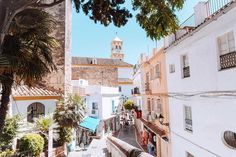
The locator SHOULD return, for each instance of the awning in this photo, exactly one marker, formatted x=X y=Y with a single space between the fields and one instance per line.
x=90 y=123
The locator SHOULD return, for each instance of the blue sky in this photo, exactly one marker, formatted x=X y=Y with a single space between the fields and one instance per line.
x=94 y=40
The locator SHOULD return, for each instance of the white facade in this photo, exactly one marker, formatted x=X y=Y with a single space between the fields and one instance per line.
x=19 y=107
x=106 y=100
x=79 y=86
x=125 y=72
x=125 y=78
x=211 y=115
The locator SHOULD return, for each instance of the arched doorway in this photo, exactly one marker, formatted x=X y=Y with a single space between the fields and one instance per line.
x=35 y=110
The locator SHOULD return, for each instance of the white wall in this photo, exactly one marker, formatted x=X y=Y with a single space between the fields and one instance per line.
x=20 y=107
x=103 y=96
x=125 y=72
x=90 y=100
x=126 y=90
x=107 y=105
x=211 y=116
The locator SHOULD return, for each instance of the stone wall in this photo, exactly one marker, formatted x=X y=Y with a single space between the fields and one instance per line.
x=95 y=75
x=60 y=79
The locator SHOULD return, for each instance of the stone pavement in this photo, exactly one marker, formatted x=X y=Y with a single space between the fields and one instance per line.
x=127 y=134
x=97 y=148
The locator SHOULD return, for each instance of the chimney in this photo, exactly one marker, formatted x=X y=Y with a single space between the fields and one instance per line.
x=200 y=13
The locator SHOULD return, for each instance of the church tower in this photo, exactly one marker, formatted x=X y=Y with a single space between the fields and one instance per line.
x=117 y=49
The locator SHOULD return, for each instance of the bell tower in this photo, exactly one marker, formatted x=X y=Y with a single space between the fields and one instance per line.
x=117 y=49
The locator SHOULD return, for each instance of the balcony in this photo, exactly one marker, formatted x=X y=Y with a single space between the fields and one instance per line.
x=228 y=60
x=188 y=124
x=147 y=88
x=186 y=72
x=135 y=91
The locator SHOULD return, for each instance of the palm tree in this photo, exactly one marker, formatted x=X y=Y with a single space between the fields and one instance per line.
x=43 y=124
x=27 y=53
x=68 y=115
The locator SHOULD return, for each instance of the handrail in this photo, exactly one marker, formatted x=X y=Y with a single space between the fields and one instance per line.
x=125 y=148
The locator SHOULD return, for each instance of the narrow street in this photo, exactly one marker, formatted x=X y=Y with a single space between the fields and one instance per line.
x=99 y=148
x=127 y=134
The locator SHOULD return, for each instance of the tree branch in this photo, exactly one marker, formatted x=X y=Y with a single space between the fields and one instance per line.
x=48 y=5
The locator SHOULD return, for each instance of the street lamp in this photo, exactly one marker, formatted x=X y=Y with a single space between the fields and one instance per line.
x=161 y=120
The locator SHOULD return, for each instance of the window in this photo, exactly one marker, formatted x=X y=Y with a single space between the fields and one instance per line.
x=159 y=108
x=94 y=61
x=94 y=106
x=188 y=118
x=152 y=73
x=171 y=68
x=149 y=105
x=189 y=154
x=35 y=110
x=226 y=43
x=113 y=106
x=147 y=82
x=120 y=89
x=158 y=70
x=230 y=139
x=185 y=66
x=226 y=46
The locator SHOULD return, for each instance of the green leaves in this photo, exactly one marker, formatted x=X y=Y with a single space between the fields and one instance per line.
x=9 y=131
x=104 y=11
x=29 y=45
x=31 y=144
x=128 y=105
x=68 y=115
x=157 y=18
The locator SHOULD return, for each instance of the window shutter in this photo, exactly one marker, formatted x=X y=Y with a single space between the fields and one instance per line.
x=231 y=41
x=223 y=44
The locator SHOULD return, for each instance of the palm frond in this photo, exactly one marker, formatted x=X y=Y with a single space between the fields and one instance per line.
x=29 y=46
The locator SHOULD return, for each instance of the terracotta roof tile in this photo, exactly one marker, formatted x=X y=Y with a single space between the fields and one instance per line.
x=125 y=80
x=100 y=61
x=33 y=91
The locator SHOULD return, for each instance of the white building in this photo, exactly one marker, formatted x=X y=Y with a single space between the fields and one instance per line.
x=102 y=103
x=138 y=90
x=78 y=86
x=32 y=102
x=201 y=82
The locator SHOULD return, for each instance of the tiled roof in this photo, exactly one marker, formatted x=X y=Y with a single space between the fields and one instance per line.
x=100 y=61
x=33 y=91
x=125 y=80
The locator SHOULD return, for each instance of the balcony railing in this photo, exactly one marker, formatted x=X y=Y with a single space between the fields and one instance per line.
x=228 y=60
x=188 y=124
x=147 y=87
x=215 y=5
x=186 y=71
x=119 y=148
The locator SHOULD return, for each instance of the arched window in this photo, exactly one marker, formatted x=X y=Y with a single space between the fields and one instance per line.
x=35 y=110
x=230 y=139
